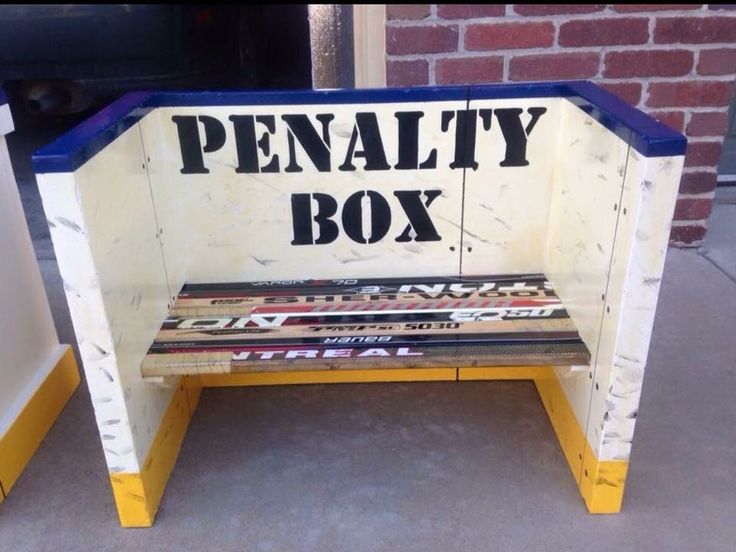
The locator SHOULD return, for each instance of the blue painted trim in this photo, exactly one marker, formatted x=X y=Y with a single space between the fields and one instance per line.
x=648 y=136
x=645 y=134
x=311 y=97
x=74 y=148
x=79 y=145
x=525 y=90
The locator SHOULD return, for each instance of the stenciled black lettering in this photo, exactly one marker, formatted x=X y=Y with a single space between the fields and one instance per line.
x=317 y=148
x=516 y=134
x=192 y=152
x=353 y=214
x=302 y=218
x=409 y=143
x=366 y=128
x=416 y=211
x=247 y=143
x=465 y=126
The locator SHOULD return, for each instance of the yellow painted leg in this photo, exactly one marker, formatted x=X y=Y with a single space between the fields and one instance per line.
x=193 y=390
x=601 y=484
x=502 y=372
x=24 y=436
x=138 y=495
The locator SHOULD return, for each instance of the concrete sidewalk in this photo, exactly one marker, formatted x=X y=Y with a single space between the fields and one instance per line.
x=429 y=466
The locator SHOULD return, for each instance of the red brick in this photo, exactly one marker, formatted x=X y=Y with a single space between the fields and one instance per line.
x=555 y=9
x=648 y=63
x=470 y=11
x=700 y=182
x=673 y=119
x=407 y=11
x=628 y=8
x=689 y=94
x=629 y=92
x=421 y=40
x=688 y=235
x=720 y=61
x=692 y=209
x=604 y=32
x=711 y=123
x=554 y=66
x=502 y=36
x=469 y=70
x=694 y=30
x=407 y=73
x=703 y=154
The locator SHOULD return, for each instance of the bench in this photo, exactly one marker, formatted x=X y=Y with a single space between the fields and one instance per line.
x=456 y=233
x=352 y=323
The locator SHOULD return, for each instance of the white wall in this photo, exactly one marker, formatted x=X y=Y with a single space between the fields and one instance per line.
x=29 y=347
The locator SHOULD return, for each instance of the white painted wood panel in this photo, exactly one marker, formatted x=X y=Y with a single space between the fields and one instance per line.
x=28 y=340
x=584 y=209
x=224 y=226
x=649 y=196
x=507 y=208
x=104 y=233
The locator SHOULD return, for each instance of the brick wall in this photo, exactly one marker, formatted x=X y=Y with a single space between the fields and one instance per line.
x=675 y=61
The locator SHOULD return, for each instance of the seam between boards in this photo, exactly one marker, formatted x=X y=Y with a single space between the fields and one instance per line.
x=170 y=299
x=594 y=361
x=462 y=204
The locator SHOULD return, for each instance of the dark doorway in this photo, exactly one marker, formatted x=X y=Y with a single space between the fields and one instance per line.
x=67 y=59
x=275 y=39
x=105 y=51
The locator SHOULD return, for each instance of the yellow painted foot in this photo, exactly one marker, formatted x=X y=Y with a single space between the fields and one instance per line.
x=138 y=495
x=503 y=373
x=601 y=484
x=24 y=436
x=569 y=434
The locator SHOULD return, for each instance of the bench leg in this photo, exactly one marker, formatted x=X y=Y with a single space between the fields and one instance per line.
x=601 y=483
x=138 y=495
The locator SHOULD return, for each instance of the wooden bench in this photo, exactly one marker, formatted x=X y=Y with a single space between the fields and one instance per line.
x=459 y=233
x=354 y=323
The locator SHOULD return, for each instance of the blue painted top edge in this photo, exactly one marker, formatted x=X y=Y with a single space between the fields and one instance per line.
x=77 y=146
x=648 y=136
x=311 y=97
x=72 y=149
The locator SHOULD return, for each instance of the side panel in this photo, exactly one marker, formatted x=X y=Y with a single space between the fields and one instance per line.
x=648 y=201
x=507 y=207
x=584 y=211
x=27 y=335
x=104 y=232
